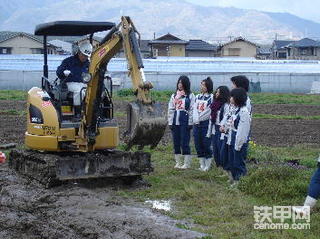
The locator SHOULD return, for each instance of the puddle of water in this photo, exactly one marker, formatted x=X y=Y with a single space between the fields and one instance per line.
x=160 y=204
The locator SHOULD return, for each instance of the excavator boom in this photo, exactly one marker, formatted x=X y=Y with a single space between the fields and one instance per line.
x=146 y=120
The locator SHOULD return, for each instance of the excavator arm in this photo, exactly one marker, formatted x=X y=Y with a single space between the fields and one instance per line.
x=145 y=118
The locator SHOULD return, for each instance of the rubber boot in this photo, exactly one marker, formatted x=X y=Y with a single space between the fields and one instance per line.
x=202 y=164
x=208 y=162
x=309 y=203
x=178 y=159
x=187 y=162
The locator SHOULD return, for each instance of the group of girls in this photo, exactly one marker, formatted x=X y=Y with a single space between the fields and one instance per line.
x=220 y=122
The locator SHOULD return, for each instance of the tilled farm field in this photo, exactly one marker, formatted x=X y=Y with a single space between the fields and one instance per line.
x=82 y=210
x=271 y=132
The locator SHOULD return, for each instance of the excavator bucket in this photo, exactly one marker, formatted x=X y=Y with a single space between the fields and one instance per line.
x=146 y=124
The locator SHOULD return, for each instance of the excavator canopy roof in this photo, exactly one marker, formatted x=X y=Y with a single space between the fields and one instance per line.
x=71 y=28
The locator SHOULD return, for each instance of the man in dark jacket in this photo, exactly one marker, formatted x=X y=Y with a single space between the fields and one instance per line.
x=71 y=70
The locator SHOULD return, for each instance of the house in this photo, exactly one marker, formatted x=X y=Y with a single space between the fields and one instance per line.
x=239 y=47
x=264 y=52
x=63 y=48
x=95 y=41
x=145 y=50
x=70 y=39
x=304 y=49
x=22 y=43
x=279 y=50
x=200 y=48
x=168 y=45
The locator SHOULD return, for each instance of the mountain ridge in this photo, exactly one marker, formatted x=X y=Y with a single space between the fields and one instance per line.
x=180 y=18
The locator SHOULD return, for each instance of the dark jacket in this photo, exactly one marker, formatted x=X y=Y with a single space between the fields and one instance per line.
x=76 y=67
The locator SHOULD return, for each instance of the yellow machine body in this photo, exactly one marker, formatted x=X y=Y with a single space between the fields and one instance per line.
x=44 y=130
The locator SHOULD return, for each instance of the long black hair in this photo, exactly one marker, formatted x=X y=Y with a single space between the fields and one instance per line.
x=209 y=84
x=224 y=94
x=241 y=81
x=185 y=83
x=239 y=96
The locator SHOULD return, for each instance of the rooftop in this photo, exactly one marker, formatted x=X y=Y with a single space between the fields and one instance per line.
x=168 y=39
x=200 y=45
x=281 y=44
x=305 y=42
x=6 y=35
x=238 y=39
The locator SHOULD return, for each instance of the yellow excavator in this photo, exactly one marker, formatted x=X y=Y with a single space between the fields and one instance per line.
x=60 y=148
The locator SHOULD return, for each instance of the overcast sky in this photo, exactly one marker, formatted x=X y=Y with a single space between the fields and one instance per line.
x=308 y=9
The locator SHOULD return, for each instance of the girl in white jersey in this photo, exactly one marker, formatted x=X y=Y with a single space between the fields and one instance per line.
x=219 y=109
x=238 y=134
x=242 y=81
x=201 y=119
x=180 y=122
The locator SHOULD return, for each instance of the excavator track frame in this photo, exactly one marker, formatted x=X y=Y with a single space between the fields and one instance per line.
x=51 y=169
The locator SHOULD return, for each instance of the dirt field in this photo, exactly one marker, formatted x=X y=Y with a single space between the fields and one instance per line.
x=81 y=211
x=287 y=109
x=271 y=132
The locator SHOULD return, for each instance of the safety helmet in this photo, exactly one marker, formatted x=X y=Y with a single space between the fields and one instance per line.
x=85 y=48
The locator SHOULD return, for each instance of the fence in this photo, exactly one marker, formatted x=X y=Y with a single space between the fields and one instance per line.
x=25 y=71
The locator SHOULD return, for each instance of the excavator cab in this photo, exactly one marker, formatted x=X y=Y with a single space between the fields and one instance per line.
x=61 y=97
x=60 y=149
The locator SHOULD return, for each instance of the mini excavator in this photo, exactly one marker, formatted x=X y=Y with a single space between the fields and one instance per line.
x=59 y=148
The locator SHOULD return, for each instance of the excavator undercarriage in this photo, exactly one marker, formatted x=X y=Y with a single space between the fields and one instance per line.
x=50 y=169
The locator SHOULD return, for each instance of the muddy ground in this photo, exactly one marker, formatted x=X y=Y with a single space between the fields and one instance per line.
x=78 y=210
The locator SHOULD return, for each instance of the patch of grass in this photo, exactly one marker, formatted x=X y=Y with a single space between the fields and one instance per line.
x=128 y=95
x=291 y=117
x=13 y=95
x=277 y=184
x=305 y=155
x=13 y=112
x=182 y=226
x=207 y=204
x=120 y=114
x=272 y=98
x=257 y=98
x=164 y=95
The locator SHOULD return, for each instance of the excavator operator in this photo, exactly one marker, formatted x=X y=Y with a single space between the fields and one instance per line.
x=71 y=70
